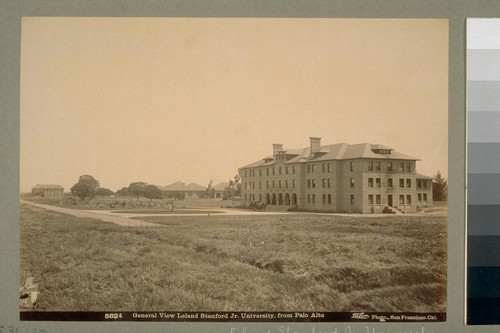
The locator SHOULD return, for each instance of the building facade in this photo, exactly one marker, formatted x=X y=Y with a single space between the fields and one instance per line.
x=48 y=191
x=363 y=178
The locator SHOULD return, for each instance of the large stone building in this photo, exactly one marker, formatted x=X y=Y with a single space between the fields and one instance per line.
x=47 y=191
x=362 y=178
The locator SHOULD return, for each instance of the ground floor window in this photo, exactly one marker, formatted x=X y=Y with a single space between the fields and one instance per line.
x=370 y=199
x=401 y=199
x=352 y=199
x=377 y=199
x=329 y=198
x=408 y=200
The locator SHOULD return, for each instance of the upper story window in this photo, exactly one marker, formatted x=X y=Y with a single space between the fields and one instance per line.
x=401 y=183
x=401 y=166
x=389 y=166
x=313 y=168
x=293 y=169
x=370 y=166
x=408 y=183
x=370 y=182
x=329 y=167
x=351 y=166
x=377 y=182
x=419 y=183
x=389 y=182
x=260 y=172
x=408 y=167
x=352 y=182
x=286 y=169
x=377 y=166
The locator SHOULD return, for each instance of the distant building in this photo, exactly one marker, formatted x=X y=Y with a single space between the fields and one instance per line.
x=360 y=178
x=48 y=191
x=219 y=190
x=181 y=190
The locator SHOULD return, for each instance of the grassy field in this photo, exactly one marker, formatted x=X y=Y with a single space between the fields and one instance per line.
x=276 y=263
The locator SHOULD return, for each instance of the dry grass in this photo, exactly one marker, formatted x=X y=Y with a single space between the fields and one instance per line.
x=275 y=263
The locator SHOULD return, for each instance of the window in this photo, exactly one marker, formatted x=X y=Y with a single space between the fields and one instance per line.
x=267 y=183
x=245 y=197
x=313 y=183
x=267 y=171
x=424 y=182
x=401 y=199
x=425 y=197
x=309 y=168
x=351 y=166
x=408 y=167
x=408 y=200
x=323 y=167
x=401 y=183
x=313 y=168
x=329 y=167
x=389 y=182
x=324 y=199
x=286 y=183
x=293 y=168
x=308 y=183
x=313 y=198
x=352 y=199
x=370 y=182
x=245 y=186
x=419 y=183
x=324 y=182
x=279 y=183
x=308 y=198
x=389 y=166
x=377 y=182
x=260 y=184
x=370 y=199
x=401 y=165
x=370 y=166
x=377 y=199
x=293 y=183
x=419 y=196
x=329 y=183
x=273 y=184
x=329 y=198
x=352 y=182
x=279 y=170
x=377 y=166
x=260 y=172
x=408 y=183
x=286 y=170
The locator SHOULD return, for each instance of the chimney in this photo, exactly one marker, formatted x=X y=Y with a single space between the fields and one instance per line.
x=276 y=148
x=315 y=145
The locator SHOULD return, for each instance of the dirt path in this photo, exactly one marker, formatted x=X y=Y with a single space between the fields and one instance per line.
x=117 y=219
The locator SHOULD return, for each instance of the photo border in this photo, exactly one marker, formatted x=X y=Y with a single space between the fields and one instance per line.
x=11 y=12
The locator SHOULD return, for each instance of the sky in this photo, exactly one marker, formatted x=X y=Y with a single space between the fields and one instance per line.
x=161 y=100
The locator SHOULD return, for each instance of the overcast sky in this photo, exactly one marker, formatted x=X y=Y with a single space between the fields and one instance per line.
x=167 y=99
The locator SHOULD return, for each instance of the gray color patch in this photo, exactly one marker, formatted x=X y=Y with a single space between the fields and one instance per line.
x=483 y=96
x=483 y=220
x=483 y=65
x=483 y=189
x=483 y=126
x=483 y=157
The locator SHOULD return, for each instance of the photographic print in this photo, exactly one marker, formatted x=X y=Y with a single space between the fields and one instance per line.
x=233 y=169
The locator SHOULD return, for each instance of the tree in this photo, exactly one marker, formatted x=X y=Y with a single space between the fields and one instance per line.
x=237 y=185
x=439 y=188
x=210 y=192
x=152 y=192
x=123 y=192
x=104 y=191
x=86 y=187
x=229 y=190
x=137 y=189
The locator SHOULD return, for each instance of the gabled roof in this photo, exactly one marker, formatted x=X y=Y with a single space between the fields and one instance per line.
x=47 y=187
x=181 y=186
x=339 y=151
x=421 y=176
x=220 y=186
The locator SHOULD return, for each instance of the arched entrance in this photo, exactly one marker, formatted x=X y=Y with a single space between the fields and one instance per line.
x=280 y=199
x=287 y=199
x=294 y=199
x=268 y=199
x=273 y=199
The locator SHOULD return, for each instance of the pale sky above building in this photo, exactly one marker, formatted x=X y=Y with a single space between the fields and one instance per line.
x=193 y=99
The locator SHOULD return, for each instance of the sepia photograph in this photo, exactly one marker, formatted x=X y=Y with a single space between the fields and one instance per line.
x=233 y=169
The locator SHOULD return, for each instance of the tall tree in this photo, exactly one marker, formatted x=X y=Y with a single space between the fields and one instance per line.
x=439 y=188
x=152 y=192
x=104 y=191
x=86 y=187
x=137 y=189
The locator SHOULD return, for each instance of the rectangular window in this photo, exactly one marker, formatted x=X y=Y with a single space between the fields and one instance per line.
x=401 y=199
x=370 y=182
x=286 y=183
x=279 y=183
x=308 y=183
x=286 y=170
x=313 y=198
x=351 y=166
x=329 y=198
x=308 y=168
x=425 y=197
x=419 y=196
x=408 y=183
x=401 y=183
x=419 y=183
x=260 y=172
x=408 y=167
x=389 y=182
x=323 y=167
x=377 y=166
x=267 y=183
x=370 y=166
x=245 y=186
x=389 y=166
x=401 y=165
x=313 y=168
x=245 y=173
x=273 y=184
x=329 y=167
x=308 y=198
x=377 y=182
x=313 y=183
x=293 y=168
x=352 y=199
x=324 y=199
x=352 y=182
x=323 y=182
x=329 y=183
x=377 y=199
x=408 y=200
x=424 y=182
x=245 y=197
x=370 y=199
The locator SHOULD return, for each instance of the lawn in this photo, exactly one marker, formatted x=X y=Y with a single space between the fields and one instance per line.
x=225 y=263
